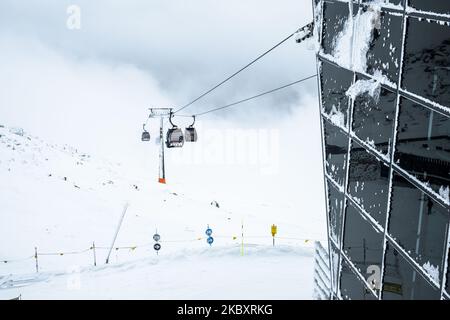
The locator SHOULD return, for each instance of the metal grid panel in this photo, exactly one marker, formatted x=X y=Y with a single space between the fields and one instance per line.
x=427 y=279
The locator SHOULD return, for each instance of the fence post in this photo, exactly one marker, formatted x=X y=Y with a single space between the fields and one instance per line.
x=95 y=257
x=36 y=258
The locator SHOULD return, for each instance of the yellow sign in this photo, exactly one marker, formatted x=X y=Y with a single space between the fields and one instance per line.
x=393 y=287
x=274 y=230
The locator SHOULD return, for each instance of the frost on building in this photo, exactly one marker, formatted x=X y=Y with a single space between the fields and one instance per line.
x=384 y=86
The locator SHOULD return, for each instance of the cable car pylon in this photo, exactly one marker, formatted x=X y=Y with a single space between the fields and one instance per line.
x=174 y=137
x=162 y=170
x=161 y=113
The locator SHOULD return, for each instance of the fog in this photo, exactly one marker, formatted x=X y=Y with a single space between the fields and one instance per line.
x=91 y=88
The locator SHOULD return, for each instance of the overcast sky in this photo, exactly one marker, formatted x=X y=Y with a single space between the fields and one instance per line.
x=185 y=46
x=91 y=87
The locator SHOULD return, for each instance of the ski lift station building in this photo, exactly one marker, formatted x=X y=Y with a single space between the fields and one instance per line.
x=384 y=85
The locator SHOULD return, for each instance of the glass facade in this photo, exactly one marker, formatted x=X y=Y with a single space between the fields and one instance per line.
x=386 y=146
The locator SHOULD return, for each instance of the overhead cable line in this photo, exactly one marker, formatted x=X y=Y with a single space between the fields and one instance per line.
x=250 y=98
x=240 y=70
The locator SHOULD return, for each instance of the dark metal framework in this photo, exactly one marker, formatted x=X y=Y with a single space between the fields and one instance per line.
x=387 y=157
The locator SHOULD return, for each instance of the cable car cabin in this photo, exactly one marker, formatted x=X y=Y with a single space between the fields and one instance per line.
x=174 y=138
x=190 y=134
x=145 y=136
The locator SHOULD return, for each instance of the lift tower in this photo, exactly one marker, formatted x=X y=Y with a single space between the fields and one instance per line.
x=161 y=113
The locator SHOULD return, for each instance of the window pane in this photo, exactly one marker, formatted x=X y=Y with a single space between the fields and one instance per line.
x=335 y=82
x=427 y=60
x=351 y=287
x=368 y=182
x=385 y=48
x=437 y=6
x=418 y=224
x=402 y=282
x=336 y=152
x=334 y=17
x=363 y=245
x=336 y=205
x=373 y=119
x=423 y=145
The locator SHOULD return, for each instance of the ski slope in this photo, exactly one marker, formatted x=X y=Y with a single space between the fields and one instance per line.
x=210 y=273
x=60 y=200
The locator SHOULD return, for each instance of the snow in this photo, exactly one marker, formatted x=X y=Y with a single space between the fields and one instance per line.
x=444 y=193
x=380 y=77
x=386 y=4
x=335 y=184
x=314 y=42
x=17 y=131
x=370 y=144
x=60 y=200
x=208 y=273
x=428 y=101
x=371 y=87
x=366 y=216
x=337 y=117
x=351 y=47
x=433 y=271
x=411 y=10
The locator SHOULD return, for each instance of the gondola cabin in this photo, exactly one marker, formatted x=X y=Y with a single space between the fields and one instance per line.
x=145 y=134
x=190 y=134
x=174 y=138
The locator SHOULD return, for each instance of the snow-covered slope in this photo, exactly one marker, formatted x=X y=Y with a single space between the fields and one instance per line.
x=60 y=200
x=208 y=273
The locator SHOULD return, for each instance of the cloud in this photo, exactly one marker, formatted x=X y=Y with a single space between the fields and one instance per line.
x=91 y=88
x=268 y=162
x=186 y=46
x=98 y=107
